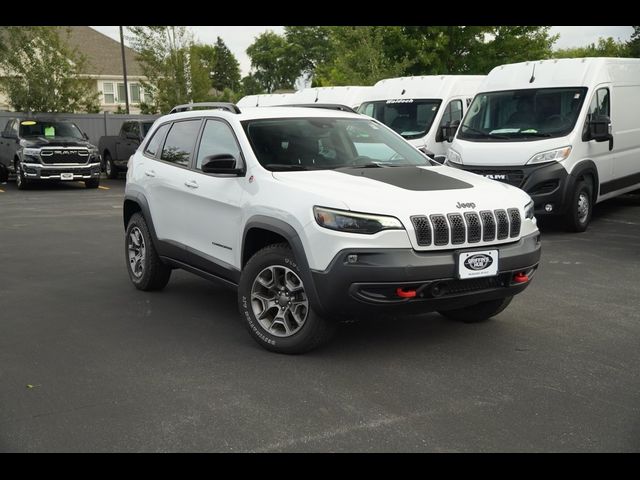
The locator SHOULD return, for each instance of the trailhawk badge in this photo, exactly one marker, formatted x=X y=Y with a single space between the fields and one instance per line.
x=478 y=264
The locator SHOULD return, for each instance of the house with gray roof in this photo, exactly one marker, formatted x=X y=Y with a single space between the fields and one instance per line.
x=104 y=67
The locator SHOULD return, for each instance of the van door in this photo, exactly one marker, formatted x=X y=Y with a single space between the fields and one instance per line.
x=451 y=115
x=599 y=151
x=625 y=123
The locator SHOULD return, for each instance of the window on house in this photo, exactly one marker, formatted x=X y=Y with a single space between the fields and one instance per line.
x=135 y=93
x=107 y=91
x=121 y=97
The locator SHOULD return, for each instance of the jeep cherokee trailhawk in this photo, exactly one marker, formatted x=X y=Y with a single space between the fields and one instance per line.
x=317 y=215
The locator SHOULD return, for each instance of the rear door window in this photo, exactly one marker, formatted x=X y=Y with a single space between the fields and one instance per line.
x=180 y=143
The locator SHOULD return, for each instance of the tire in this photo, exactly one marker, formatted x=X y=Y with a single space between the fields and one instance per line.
x=478 y=312
x=93 y=183
x=109 y=168
x=150 y=273
x=21 y=181
x=580 y=209
x=292 y=327
x=4 y=174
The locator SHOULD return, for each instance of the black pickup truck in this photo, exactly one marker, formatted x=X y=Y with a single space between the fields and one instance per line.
x=41 y=149
x=116 y=149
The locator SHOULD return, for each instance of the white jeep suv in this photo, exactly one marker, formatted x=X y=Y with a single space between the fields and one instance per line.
x=316 y=215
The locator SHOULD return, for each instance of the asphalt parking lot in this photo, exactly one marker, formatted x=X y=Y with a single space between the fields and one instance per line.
x=88 y=363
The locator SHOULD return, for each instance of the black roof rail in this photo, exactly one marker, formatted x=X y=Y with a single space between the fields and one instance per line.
x=228 y=106
x=328 y=106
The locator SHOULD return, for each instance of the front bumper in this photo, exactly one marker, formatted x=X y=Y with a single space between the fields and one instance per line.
x=36 y=171
x=546 y=184
x=370 y=284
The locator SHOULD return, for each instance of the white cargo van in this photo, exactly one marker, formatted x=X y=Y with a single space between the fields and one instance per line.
x=265 y=100
x=425 y=110
x=566 y=131
x=350 y=96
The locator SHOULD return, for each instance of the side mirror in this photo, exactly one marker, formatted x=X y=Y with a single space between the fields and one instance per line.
x=440 y=159
x=223 y=163
x=600 y=129
x=448 y=131
x=132 y=136
x=8 y=135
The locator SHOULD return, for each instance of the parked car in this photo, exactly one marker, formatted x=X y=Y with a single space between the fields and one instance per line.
x=41 y=149
x=315 y=215
x=566 y=131
x=117 y=149
x=419 y=107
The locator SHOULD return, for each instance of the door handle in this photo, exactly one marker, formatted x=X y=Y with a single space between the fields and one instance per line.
x=191 y=184
x=150 y=173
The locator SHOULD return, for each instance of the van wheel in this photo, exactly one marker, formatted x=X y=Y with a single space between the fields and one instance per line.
x=580 y=207
x=274 y=305
x=146 y=270
x=478 y=312
x=109 y=168
x=21 y=181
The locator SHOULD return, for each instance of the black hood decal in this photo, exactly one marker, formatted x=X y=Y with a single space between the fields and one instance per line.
x=409 y=178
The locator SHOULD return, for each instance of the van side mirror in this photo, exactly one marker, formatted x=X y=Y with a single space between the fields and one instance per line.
x=600 y=129
x=440 y=159
x=223 y=163
x=448 y=131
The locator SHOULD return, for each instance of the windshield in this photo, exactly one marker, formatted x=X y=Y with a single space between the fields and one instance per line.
x=411 y=118
x=516 y=115
x=328 y=143
x=33 y=128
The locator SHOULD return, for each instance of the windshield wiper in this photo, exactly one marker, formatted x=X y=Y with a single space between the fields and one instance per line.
x=486 y=134
x=535 y=134
x=281 y=167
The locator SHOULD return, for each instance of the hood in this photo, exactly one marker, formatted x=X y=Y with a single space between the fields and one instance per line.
x=35 y=142
x=505 y=153
x=404 y=191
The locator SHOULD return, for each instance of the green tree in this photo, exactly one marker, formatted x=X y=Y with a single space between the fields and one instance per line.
x=273 y=62
x=310 y=46
x=605 y=47
x=164 y=53
x=225 y=68
x=251 y=86
x=634 y=43
x=42 y=73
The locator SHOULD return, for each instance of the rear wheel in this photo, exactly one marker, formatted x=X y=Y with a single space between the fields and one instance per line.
x=146 y=270
x=109 y=168
x=274 y=304
x=580 y=207
x=478 y=312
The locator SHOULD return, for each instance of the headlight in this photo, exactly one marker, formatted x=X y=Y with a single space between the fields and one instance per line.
x=454 y=157
x=556 y=155
x=32 y=152
x=528 y=210
x=344 y=221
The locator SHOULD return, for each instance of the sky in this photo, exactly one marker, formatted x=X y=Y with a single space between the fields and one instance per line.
x=239 y=38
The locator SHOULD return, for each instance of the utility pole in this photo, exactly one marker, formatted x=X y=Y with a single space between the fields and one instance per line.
x=124 y=71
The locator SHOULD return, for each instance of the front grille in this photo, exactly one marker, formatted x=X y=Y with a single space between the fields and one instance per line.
x=512 y=177
x=423 y=230
x=474 y=230
x=51 y=156
x=440 y=230
x=458 y=233
x=471 y=227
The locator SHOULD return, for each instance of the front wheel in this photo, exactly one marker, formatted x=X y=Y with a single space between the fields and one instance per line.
x=478 y=312
x=145 y=268
x=274 y=305
x=580 y=207
x=21 y=181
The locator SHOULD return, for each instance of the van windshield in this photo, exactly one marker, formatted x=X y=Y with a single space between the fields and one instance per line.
x=517 y=115
x=327 y=143
x=409 y=117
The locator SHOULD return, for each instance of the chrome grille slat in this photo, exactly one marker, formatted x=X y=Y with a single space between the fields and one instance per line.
x=468 y=227
x=51 y=156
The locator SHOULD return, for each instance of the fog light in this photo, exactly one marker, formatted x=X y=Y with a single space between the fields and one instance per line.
x=548 y=207
x=352 y=258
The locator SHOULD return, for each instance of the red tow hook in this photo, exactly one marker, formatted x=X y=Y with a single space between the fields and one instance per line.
x=401 y=292
x=520 y=277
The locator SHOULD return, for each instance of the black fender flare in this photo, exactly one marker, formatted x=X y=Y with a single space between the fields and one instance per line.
x=286 y=231
x=584 y=167
x=139 y=199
